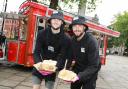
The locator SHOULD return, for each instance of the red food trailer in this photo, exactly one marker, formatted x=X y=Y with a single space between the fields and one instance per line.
x=21 y=37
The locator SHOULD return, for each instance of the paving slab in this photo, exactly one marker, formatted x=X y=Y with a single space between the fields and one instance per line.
x=9 y=70
x=2 y=79
x=5 y=75
x=16 y=78
x=9 y=83
x=23 y=74
x=29 y=84
x=22 y=87
x=2 y=87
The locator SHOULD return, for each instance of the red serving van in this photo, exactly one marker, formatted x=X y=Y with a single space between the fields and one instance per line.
x=22 y=31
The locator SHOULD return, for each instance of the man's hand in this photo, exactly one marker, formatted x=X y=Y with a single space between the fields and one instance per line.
x=45 y=73
x=75 y=79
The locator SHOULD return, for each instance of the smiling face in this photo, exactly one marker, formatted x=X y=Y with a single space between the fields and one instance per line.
x=78 y=30
x=56 y=23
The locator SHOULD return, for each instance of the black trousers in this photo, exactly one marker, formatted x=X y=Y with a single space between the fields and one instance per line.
x=89 y=84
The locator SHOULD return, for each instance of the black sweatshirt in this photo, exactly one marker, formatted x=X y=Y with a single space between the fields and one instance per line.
x=86 y=55
x=51 y=46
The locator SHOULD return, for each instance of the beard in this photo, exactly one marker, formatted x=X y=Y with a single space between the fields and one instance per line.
x=55 y=28
x=79 y=35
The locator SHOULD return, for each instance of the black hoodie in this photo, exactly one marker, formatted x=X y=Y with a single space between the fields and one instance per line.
x=86 y=55
x=51 y=46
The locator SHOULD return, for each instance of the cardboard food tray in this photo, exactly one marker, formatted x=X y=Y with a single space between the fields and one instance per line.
x=39 y=66
x=49 y=70
x=64 y=77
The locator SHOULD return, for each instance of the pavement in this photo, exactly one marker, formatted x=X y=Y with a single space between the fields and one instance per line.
x=113 y=75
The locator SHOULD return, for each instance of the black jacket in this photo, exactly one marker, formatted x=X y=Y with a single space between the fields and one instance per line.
x=51 y=46
x=86 y=54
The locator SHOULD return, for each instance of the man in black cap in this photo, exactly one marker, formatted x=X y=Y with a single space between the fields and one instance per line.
x=85 y=54
x=51 y=43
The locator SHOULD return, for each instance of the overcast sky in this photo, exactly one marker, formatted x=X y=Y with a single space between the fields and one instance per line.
x=105 y=10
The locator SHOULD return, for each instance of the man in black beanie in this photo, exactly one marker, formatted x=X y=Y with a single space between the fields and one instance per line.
x=85 y=54
x=51 y=43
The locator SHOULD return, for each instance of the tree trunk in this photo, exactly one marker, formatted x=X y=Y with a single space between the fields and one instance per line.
x=82 y=9
x=54 y=4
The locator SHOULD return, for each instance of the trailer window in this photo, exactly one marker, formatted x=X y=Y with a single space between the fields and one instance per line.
x=23 y=29
x=11 y=27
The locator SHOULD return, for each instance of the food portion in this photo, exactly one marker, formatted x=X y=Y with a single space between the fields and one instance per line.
x=66 y=75
x=46 y=65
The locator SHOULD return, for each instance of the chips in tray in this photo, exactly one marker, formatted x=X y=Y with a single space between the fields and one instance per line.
x=66 y=75
x=46 y=65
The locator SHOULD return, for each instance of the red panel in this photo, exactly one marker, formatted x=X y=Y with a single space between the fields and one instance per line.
x=31 y=30
x=105 y=45
x=21 y=54
x=25 y=4
x=12 y=51
x=50 y=11
x=39 y=12
x=68 y=18
x=37 y=7
x=30 y=60
x=29 y=42
x=103 y=29
x=102 y=60
x=1 y=53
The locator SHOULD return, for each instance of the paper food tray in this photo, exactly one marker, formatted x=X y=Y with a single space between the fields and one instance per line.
x=46 y=65
x=66 y=75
